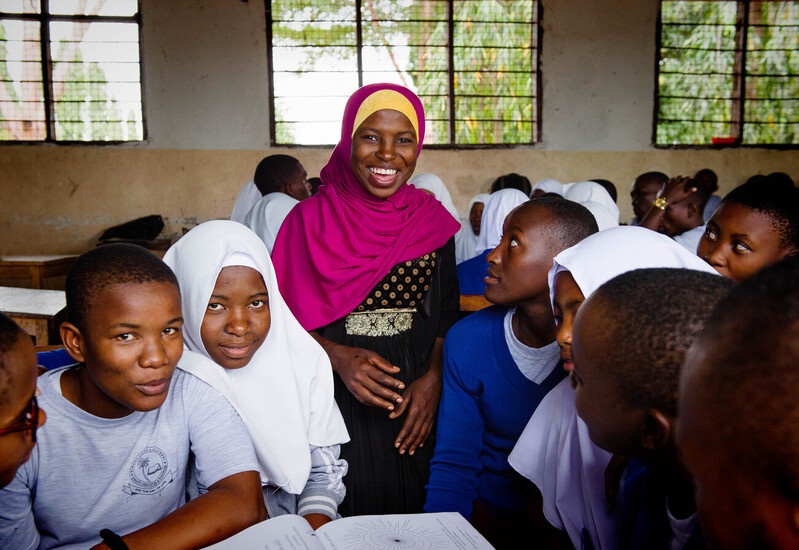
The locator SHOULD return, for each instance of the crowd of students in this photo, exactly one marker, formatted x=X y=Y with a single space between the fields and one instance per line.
x=631 y=386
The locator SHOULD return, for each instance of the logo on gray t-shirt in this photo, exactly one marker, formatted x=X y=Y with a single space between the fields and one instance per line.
x=149 y=473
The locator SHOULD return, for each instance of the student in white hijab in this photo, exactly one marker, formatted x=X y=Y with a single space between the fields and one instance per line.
x=546 y=185
x=284 y=393
x=435 y=185
x=246 y=199
x=466 y=237
x=266 y=217
x=472 y=271
x=555 y=451
x=597 y=199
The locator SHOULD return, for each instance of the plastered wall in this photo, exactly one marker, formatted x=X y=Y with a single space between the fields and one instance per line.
x=206 y=85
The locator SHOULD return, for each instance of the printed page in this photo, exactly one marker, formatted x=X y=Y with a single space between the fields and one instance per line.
x=439 y=531
x=288 y=532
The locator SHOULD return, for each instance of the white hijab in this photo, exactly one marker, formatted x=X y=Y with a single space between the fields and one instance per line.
x=499 y=204
x=597 y=199
x=246 y=199
x=555 y=451
x=548 y=185
x=285 y=394
x=434 y=184
x=266 y=217
x=465 y=239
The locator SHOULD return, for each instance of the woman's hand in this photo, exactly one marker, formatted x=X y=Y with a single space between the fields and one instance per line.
x=365 y=373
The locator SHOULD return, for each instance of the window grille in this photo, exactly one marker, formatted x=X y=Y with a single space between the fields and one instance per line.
x=728 y=73
x=70 y=71
x=473 y=63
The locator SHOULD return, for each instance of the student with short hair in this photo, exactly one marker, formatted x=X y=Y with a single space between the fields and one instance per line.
x=628 y=348
x=755 y=225
x=678 y=211
x=110 y=465
x=499 y=362
x=20 y=415
x=274 y=373
x=644 y=190
x=738 y=427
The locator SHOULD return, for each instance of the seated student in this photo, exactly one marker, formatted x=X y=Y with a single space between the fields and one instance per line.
x=314 y=182
x=466 y=237
x=282 y=180
x=738 y=427
x=609 y=187
x=644 y=191
x=545 y=186
x=628 y=347
x=755 y=225
x=20 y=415
x=246 y=199
x=436 y=187
x=708 y=179
x=272 y=371
x=472 y=272
x=498 y=364
x=596 y=199
x=512 y=181
x=554 y=450
x=129 y=420
x=677 y=212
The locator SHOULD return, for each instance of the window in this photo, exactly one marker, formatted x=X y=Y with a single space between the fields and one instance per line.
x=473 y=63
x=70 y=71
x=728 y=73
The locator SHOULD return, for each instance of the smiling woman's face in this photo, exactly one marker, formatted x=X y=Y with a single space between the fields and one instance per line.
x=384 y=152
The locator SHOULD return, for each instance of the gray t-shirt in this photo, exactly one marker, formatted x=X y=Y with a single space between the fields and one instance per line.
x=88 y=473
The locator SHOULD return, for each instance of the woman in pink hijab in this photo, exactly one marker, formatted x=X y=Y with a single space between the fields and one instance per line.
x=367 y=265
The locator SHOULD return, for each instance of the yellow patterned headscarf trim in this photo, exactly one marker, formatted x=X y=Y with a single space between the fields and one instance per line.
x=386 y=99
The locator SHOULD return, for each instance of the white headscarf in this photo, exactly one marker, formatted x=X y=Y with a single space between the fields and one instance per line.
x=596 y=199
x=555 y=451
x=434 y=184
x=548 y=185
x=499 y=204
x=465 y=239
x=266 y=217
x=285 y=394
x=246 y=199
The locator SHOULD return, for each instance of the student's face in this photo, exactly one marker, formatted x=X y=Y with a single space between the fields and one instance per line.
x=567 y=300
x=384 y=152
x=642 y=195
x=678 y=218
x=298 y=187
x=519 y=265
x=612 y=424
x=476 y=216
x=237 y=319
x=131 y=345
x=739 y=241
x=19 y=363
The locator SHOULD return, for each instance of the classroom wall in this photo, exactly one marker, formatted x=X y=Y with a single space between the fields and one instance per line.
x=205 y=82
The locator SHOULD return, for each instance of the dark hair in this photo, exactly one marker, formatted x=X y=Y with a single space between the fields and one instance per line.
x=779 y=202
x=609 y=187
x=708 y=179
x=315 y=183
x=658 y=177
x=571 y=221
x=749 y=377
x=105 y=266
x=274 y=172
x=512 y=181
x=9 y=334
x=650 y=319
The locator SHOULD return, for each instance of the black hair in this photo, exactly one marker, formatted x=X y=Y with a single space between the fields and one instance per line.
x=512 y=181
x=749 y=377
x=609 y=187
x=9 y=335
x=658 y=177
x=779 y=202
x=315 y=183
x=707 y=178
x=274 y=172
x=105 y=266
x=650 y=319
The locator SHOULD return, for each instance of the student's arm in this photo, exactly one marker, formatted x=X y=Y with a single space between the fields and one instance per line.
x=324 y=490
x=230 y=505
x=365 y=373
x=673 y=192
x=17 y=524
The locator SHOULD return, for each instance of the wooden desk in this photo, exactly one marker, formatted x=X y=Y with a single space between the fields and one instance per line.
x=35 y=268
x=38 y=312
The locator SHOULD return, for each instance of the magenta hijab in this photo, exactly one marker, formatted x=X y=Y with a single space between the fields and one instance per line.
x=334 y=247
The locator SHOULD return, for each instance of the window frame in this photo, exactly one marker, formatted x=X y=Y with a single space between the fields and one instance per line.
x=536 y=102
x=738 y=92
x=44 y=18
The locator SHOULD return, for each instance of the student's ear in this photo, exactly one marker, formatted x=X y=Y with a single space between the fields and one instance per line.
x=693 y=209
x=72 y=340
x=657 y=429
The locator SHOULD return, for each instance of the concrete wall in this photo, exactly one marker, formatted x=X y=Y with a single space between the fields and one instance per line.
x=206 y=103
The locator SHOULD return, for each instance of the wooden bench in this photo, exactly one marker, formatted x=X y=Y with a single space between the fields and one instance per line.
x=34 y=269
x=38 y=312
x=473 y=302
